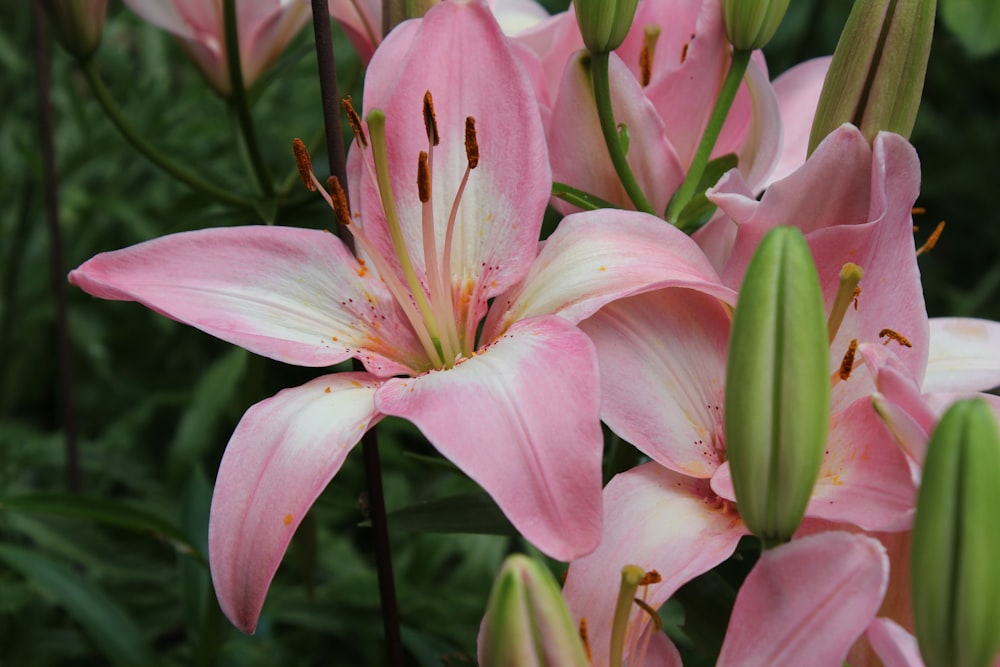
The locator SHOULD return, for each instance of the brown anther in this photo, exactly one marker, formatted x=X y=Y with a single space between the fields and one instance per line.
x=918 y=210
x=471 y=145
x=651 y=577
x=653 y=616
x=430 y=120
x=304 y=163
x=645 y=65
x=585 y=640
x=339 y=199
x=355 y=120
x=932 y=239
x=857 y=293
x=684 y=52
x=896 y=336
x=847 y=363
x=423 y=178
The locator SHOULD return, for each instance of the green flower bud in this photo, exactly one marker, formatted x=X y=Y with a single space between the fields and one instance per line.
x=877 y=73
x=777 y=387
x=77 y=24
x=527 y=623
x=750 y=24
x=956 y=541
x=604 y=23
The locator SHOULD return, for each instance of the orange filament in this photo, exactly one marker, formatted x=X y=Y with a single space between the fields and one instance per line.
x=471 y=144
x=932 y=239
x=303 y=162
x=355 y=120
x=430 y=120
x=918 y=210
x=896 y=336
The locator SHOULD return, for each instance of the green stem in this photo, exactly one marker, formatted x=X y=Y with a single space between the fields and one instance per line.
x=238 y=101
x=152 y=153
x=602 y=96
x=731 y=84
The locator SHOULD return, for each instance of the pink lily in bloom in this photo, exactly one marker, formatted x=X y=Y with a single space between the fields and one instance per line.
x=361 y=20
x=663 y=358
x=450 y=188
x=265 y=27
x=664 y=80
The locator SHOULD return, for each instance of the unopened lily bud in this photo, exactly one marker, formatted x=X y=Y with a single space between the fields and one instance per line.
x=877 y=74
x=750 y=24
x=77 y=24
x=527 y=623
x=604 y=23
x=956 y=539
x=777 y=387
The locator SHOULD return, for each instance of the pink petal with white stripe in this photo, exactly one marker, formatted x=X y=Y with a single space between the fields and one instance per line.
x=521 y=419
x=280 y=458
x=805 y=602
x=663 y=369
x=294 y=295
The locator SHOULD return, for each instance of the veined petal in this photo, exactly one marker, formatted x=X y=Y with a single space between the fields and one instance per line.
x=475 y=73
x=282 y=455
x=579 y=153
x=663 y=369
x=521 y=418
x=964 y=355
x=899 y=401
x=294 y=295
x=805 y=602
x=894 y=646
x=658 y=520
x=753 y=127
x=596 y=257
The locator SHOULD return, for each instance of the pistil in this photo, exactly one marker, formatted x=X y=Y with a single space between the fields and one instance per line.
x=850 y=275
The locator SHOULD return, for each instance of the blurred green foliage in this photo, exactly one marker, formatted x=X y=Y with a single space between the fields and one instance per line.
x=158 y=400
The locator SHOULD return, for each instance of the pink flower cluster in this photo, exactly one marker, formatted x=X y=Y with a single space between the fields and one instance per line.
x=508 y=352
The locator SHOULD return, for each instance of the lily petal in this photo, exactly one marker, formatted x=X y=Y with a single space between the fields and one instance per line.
x=280 y=458
x=798 y=96
x=521 y=419
x=294 y=295
x=658 y=520
x=503 y=204
x=805 y=602
x=596 y=257
x=964 y=355
x=894 y=646
x=663 y=368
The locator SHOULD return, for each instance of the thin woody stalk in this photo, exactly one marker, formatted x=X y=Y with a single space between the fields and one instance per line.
x=369 y=442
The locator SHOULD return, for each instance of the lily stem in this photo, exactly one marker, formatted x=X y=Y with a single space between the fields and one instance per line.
x=153 y=154
x=67 y=394
x=605 y=112
x=238 y=101
x=369 y=442
x=734 y=76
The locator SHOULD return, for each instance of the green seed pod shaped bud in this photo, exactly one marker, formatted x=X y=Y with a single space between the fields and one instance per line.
x=527 y=623
x=877 y=74
x=777 y=404
x=750 y=24
x=604 y=23
x=77 y=24
x=956 y=539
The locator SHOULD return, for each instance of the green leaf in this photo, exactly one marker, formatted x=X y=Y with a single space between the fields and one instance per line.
x=111 y=629
x=105 y=511
x=474 y=513
x=579 y=198
x=976 y=23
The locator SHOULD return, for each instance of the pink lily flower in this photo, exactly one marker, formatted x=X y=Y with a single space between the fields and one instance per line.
x=361 y=20
x=265 y=28
x=514 y=406
x=663 y=354
x=664 y=80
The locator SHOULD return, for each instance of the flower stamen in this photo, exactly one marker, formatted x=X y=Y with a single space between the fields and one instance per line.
x=889 y=335
x=850 y=275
